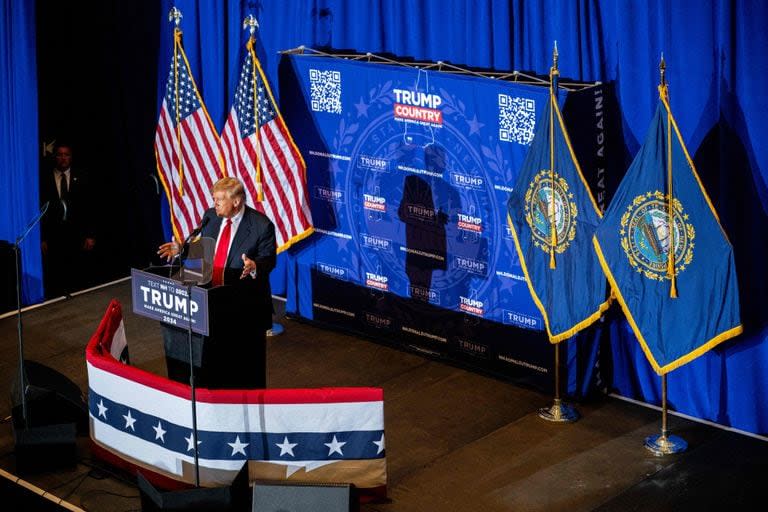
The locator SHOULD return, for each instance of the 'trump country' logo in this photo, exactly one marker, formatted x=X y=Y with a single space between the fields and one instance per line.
x=473 y=306
x=377 y=281
x=418 y=107
x=471 y=223
x=374 y=203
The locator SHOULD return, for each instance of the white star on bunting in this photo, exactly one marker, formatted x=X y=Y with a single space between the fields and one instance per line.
x=159 y=432
x=237 y=446
x=129 y=421
x=189 y=440
x=335 y=446
x=380 y=444
x=286 y=447
x=102 y=409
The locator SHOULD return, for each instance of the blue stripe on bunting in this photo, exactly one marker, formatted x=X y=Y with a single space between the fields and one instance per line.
x=282 y=446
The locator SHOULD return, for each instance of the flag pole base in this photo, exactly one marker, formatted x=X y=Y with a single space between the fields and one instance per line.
x=276 y=330
x=559 y=412
x=663 y=444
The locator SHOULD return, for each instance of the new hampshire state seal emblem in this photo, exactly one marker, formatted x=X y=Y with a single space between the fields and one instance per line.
x=547 y=197
x=645 y=235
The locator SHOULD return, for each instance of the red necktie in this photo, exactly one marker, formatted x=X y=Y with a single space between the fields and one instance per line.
x=220 y=259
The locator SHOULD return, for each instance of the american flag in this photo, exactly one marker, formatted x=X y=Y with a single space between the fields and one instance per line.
x=139 y=420
x=186 y=149
x=259 y=150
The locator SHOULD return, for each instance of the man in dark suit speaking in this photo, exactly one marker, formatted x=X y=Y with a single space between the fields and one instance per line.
x=245 y=255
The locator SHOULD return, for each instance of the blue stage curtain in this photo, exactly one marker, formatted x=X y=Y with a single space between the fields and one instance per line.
x=19 y=195
x=714 y=68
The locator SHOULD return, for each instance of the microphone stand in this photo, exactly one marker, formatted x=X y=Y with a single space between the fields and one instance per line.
x=189 y=284
x=19 y=328
x=184 y=249
x=181 y=255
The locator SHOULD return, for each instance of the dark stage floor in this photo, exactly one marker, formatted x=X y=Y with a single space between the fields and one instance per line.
x=456 y=440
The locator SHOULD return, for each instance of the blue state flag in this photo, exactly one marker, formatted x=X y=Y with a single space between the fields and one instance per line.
x=677 y=286
x=553 y=216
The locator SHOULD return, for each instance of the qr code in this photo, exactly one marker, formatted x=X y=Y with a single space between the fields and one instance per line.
x=517 y=119
x=325 y=89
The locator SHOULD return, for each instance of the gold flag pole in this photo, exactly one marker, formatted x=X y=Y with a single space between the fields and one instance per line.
x=251 y=24
x=665 y=444
x=554 y=73
x=664 y=94
x=558 y=412
x=174 y=16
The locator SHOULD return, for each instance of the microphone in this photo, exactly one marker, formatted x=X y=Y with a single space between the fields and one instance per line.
x=183 y=252
x=23 y=235
x=198 y=229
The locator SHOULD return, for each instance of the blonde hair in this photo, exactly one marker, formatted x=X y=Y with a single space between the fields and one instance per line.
x=232 y=186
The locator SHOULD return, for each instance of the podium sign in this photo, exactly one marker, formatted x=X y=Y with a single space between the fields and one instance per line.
x=167 y=300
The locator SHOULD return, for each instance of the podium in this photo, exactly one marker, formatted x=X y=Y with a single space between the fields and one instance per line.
x=225 y=354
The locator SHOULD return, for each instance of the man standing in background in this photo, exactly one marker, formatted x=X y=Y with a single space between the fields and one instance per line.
x=67 y=229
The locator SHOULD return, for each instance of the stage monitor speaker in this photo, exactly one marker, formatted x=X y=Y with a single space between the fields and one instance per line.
x=233 y=498
x=284 y=497
x=56 y=411
x=51 y=398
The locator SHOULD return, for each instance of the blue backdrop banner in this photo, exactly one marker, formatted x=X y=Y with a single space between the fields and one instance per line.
x=409 y=171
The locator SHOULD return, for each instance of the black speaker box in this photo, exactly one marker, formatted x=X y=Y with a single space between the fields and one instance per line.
x=51 y=398
x=46 y=438
x=233 y=498
x=284 y=497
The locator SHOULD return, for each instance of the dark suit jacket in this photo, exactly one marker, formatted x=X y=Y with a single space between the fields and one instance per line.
x=79 y=221
x=255 y=237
